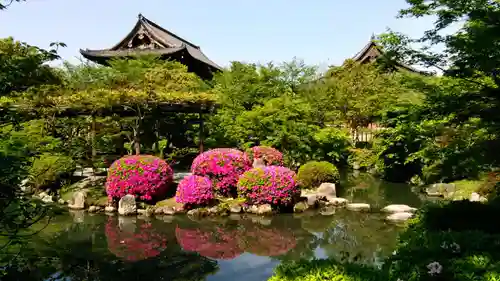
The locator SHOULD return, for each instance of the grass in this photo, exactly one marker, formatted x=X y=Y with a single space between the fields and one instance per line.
x=464 y=188
x=169 y=202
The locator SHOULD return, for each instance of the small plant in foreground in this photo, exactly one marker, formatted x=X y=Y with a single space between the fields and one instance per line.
x=314 y=173
x=269 y=185
x=223 y=166
x=194 y=190
x=144 y=176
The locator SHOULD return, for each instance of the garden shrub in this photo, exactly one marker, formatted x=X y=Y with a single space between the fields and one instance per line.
x=456 y=241
x=194 y=191
x=314 y=173
x=491 y=186
x=270 y=156
x=48 y=169
x=145 y=176
x=333 y=144
x=325 y=269
x=269 y=185
x=223 y=166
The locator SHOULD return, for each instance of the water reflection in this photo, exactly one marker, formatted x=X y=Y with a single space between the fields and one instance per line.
x=79 y=246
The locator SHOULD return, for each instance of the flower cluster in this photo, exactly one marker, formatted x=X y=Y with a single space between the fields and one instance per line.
x=223 y=166
x=194 y=190
x=143 y=176
x=269 y=155
x=134 y=246
x=218 y=243
x=269 y=185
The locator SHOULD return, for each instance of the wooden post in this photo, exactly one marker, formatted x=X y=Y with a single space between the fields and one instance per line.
x=92 y=140
x=201 y=131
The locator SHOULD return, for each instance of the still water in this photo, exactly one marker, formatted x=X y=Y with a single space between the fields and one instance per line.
x=79 y=246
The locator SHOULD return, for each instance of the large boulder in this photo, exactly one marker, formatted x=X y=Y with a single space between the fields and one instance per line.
x=358 y=207
x=398 y=208
x=399 y=217
x=327 y=189
x=127 y=205
x=300 y=207
x=78 y=200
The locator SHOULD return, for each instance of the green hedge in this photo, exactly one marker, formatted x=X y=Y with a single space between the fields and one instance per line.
x=314 y=173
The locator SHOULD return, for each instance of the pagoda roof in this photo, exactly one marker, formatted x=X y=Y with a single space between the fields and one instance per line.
x=163 y=42
x=372 y=51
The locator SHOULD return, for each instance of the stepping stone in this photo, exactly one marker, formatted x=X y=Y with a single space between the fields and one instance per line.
x=358 y=207
x=398 y=208
x=399 y=217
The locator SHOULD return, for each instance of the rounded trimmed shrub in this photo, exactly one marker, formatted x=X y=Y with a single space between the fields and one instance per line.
x=223 y=166
x=274 y=185
x=194 y=190
x=144 y=176
x=314 y=173
x=271 y=156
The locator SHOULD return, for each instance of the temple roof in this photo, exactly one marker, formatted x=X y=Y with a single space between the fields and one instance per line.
x=149 y=38
x=371 y=51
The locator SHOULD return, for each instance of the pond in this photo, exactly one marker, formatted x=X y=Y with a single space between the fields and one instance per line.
x=81 y=246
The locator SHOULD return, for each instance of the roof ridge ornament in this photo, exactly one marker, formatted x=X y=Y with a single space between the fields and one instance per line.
x=140 y=16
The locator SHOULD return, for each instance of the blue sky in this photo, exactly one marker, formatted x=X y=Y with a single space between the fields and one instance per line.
x=321 y=32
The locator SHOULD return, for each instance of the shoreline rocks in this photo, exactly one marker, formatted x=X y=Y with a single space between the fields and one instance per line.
x=398 y=208
x=358 y=207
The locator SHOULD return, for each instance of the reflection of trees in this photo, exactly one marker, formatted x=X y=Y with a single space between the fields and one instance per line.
x=134 y=244
x=267 y=240
x=359 y=237
x=217 y=242
x=81 y=254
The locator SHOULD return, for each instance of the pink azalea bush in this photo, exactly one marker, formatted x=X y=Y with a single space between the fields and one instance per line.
x=144 y=176
x=271 y=156
x=269 y=185
x=194 y=190
x=223 y=166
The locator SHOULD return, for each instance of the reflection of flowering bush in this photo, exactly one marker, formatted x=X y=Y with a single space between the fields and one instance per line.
x=264 y=241
x=134 y=246
x=271 y=156
x=223 y=166
x=144 y=176
x=216 y=244
x=273 y=184
x=194 y=190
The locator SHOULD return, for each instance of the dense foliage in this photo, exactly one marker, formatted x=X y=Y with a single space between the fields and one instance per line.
x=274 y=185
x=48 y=169
x=313 y=174
x=194 y=191
x=223 y=166
x=145 y=176
x=270 y=156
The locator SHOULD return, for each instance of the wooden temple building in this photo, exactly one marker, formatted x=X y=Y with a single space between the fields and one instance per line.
x=372 y=51
x=148 y=38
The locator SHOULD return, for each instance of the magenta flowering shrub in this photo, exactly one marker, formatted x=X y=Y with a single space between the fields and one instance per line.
x=271 y=156
x=144 y=176
x=269 y=185
x=194 y=190
x=223 y=166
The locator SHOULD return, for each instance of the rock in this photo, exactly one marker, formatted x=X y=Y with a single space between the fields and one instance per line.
x=61 y=201
x=93 y=209
x=169 y=211
x=265 y=209
x=235 y=209
x=356 y=166
x=300 y=207
x=311 y=199
x=475 y=197
x=42 y=195
x=78 y=202
x=47 y=199
x=253 y=209
x=441 y=189
x=258 y=163
x=327 y=211
x=141 y=211
x=127 y=205
x=337 y=201
x=218 y=211
x=200 y=212
x=179 y=210
x=327 y=189
x=398 y=208
x=158 y=211
x=358 y=207
x=399 y=217
x=110 y=209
